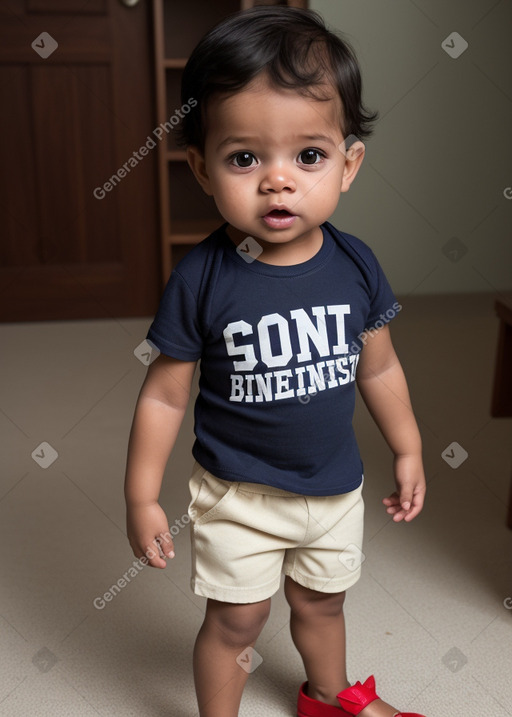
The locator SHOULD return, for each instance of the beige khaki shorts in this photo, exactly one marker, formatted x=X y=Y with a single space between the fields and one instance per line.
x=244 y=535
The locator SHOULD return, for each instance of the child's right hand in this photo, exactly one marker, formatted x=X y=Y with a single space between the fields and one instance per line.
x=148 y=533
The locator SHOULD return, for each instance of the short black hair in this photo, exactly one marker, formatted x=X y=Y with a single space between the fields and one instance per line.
x=293 y=47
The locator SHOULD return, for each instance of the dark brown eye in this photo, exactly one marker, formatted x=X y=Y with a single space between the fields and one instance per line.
x=309 y=156
x=243 y=159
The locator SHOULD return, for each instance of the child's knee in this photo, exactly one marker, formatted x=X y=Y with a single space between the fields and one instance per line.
x=238 y=624
x=312 y=603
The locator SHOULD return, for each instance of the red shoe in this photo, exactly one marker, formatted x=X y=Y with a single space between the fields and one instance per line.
x=308 y=707
x=354 y=699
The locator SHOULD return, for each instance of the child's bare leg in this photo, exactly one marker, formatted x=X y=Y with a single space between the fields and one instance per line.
x=317 y=626
x=228 y=628
x=318 y=631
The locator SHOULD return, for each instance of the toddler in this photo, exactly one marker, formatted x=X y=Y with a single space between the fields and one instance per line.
x=286 y=314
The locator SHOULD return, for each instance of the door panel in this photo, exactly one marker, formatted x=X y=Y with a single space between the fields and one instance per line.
x=70 y=121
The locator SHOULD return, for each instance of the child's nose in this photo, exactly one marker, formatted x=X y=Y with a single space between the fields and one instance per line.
x=277 y=178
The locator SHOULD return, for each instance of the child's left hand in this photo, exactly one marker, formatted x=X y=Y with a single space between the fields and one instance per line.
x=407 y=501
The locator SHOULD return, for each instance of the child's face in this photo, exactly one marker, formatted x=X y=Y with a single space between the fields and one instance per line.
x=268 y=150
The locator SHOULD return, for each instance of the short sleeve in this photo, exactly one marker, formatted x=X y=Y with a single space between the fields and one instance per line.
x=175 y=330
x=383 y=304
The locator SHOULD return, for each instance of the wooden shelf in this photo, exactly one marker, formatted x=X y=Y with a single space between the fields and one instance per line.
x=187 y=215
x=177 y=63
x=192 y=232
x=176 y=155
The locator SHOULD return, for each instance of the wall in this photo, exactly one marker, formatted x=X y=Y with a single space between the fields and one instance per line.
x=431 y=195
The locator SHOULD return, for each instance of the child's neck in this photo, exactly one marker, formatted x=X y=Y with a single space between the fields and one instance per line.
x=296 y=251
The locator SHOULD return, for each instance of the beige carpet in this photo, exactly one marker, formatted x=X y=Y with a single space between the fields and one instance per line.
x=428 y=617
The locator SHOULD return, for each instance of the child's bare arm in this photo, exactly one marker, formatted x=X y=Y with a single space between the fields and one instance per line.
x=158 y=416
x=382 y=384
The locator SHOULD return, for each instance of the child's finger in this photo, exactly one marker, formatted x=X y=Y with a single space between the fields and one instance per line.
x=417 y=506
x=166 y=545
x=411 y=512
x=393 y=510
x=392 y=500
x=406 y=499
x=152 y=555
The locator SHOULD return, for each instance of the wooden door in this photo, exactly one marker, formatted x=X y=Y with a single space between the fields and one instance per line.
x=78 y=199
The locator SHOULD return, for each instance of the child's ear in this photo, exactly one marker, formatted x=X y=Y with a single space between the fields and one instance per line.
x=195 y=159
x=353 y=159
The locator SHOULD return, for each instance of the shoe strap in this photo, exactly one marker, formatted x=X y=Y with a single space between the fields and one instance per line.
x=354 y=699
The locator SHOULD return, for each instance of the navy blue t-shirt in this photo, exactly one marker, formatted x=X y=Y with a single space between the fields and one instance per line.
x=279 y=347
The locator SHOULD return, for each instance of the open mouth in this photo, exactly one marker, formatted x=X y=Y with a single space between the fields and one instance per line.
x=279 y=218
x=279 y=213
